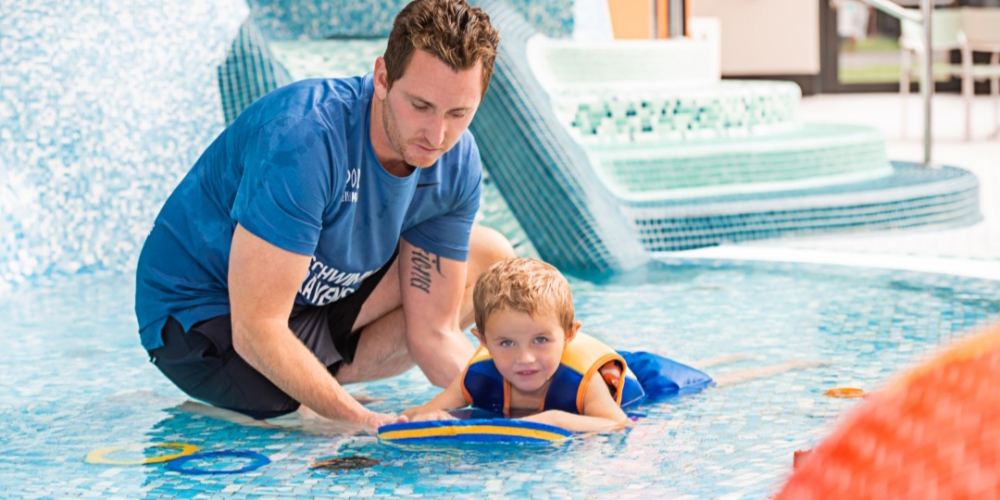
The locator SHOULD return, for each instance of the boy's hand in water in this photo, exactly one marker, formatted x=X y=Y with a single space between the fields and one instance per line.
x=432 y=415
x=421 y=414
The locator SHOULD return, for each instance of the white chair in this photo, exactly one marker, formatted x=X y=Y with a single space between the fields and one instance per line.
x=944 y=38
x=980 y=32
x=967 y=30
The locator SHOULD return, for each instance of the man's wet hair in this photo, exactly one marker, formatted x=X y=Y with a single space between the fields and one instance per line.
x=453 y=31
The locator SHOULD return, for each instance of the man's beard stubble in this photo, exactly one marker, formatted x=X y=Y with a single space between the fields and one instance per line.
x=392 y=133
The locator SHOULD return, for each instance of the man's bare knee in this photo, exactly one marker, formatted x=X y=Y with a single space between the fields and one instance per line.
x=381 y=352
x=486 y=247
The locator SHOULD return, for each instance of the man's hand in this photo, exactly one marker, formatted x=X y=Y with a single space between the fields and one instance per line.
x=451 y=398
x=410 y=412
x=433 y=415
x=376 y=420
x=263 y=281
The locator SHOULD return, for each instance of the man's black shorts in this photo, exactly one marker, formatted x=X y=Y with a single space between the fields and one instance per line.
x=203 y=363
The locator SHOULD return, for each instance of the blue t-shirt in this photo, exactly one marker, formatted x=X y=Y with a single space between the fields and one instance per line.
x=297 y=169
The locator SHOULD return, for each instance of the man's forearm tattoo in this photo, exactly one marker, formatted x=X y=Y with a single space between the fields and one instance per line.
x=423 y=262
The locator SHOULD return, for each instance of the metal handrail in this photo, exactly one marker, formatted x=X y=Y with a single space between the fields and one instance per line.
x=894 y=10
x=927 y=81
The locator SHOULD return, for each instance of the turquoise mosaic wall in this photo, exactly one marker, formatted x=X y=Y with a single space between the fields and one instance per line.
x=317 y=19
x=554 y=18
x=104 y=105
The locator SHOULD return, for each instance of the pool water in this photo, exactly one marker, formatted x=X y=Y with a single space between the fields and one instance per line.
x=76 y=380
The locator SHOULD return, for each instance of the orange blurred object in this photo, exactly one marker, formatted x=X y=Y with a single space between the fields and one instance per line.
x=631 y=19
x=844 y=392
x=799 y=458
x=646 y=19
x=932 y=434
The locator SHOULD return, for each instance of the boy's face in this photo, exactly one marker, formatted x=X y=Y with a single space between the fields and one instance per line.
x=526 y=350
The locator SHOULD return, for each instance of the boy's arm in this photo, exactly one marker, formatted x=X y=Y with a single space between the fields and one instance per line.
x=449 y=399
x=575 y=423
x=600 y=412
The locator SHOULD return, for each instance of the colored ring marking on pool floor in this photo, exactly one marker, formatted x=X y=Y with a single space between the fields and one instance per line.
x=99 y=456
x=845 y=392
x=257 y=462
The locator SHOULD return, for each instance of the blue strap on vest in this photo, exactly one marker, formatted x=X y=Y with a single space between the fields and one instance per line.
x=562 y=391
x=485 y=384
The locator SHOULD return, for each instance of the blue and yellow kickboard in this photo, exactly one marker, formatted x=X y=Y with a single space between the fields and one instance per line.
x=480 y=430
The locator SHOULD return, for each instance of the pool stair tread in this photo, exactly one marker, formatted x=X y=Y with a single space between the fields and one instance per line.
x=913 y=196
x=905 y=181
x=811 y=152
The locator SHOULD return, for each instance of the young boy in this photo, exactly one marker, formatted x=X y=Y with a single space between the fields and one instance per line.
x=533 y=362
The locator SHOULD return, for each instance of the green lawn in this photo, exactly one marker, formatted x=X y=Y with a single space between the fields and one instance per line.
x=884 y=74
x=874 y=45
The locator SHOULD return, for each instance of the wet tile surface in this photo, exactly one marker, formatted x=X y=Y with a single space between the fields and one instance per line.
x=76 y=380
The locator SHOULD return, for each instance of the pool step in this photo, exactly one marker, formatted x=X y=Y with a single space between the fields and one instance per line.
x=912 y=196
x=812 y=153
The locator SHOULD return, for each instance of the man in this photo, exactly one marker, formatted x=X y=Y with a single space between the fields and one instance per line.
x=322 y=238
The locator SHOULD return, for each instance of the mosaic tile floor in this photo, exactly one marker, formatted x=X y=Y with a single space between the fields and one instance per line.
x=75 y=380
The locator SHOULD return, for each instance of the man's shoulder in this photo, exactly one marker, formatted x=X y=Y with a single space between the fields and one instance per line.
x=319 y=101
x=347 y=88
x=319 y=91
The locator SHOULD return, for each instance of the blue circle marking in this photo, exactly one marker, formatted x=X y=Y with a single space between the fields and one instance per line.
x=257 y=461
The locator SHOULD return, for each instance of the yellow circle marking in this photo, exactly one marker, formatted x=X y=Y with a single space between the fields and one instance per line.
x=844 y=392
x=98 y=456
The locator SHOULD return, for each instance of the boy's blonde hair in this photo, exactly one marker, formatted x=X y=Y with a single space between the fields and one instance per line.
x=525 y=285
